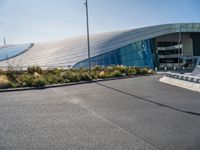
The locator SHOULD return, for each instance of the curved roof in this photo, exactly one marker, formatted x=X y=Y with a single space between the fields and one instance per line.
x=71 y=51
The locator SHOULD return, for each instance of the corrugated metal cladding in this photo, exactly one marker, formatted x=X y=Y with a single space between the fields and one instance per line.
x=70 y=52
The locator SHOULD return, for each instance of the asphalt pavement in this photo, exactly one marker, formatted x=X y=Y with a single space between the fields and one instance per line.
x=126 y=114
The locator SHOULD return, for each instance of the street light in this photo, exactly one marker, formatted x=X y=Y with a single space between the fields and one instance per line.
x=180 y=50
x=88 y=33
x=4 y=41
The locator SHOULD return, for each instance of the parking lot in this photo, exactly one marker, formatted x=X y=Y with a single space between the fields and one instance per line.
x=134 y=113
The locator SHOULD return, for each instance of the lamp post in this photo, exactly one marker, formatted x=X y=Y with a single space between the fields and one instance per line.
x=179 y=42
x=4 y=41
x=88 y=34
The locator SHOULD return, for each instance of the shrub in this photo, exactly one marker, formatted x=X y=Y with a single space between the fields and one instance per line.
x=108 y=74
x=4 y=82
x=121 y=68
x=55 y=71
x=33 y=69
x=65 y=75
x=53 y=79
x=38 y=70
x=25 y=80
x=131 y=71
x=24 y=84
x=11 y=74
x=109 y=68
x=30 y=70
x=15 y=85
x=101 y=74
x=97 y=68
x=150 y=71
x=66 y=81
x=143 y=71
x=137 y=70
x=74 y=77
x=94 y=74
x=36 y=75
x=116 y=73
x=71 y=75
x=1 y=72
x=39 y=82
x=85 y=76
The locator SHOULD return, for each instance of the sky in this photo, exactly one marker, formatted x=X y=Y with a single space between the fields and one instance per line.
x=25 y=21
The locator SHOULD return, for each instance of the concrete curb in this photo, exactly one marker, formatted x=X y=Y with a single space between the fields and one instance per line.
x=181 y=83
x=67 y=84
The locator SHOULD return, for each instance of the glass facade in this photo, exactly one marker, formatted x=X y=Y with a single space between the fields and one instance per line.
x=11 y=51
x=137 y=54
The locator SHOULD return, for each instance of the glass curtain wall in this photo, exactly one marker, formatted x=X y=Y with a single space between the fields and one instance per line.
x=12 y=51
x=137 y=54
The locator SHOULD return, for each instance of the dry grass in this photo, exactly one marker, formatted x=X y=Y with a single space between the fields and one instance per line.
x=35 y=76
x=4 y=82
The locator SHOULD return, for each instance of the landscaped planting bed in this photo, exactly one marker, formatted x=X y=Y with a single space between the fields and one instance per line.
x=34 y=76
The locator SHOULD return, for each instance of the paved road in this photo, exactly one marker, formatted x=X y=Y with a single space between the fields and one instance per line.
x=138 y=113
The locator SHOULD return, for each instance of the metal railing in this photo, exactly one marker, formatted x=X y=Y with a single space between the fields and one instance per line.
x=184 y=77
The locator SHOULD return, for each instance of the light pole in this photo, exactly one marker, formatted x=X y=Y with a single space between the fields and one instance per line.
x=180 y=52
x=88 y=34
x=4 y=41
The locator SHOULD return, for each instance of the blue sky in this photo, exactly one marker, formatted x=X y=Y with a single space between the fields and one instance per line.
x=46 y=20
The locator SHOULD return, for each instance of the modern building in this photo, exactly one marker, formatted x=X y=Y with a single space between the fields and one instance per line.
x=163 y=46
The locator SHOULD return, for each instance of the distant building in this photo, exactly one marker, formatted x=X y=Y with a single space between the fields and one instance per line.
x=163 y=46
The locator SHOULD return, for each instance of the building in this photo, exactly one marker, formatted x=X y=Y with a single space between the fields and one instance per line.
x=168 y=46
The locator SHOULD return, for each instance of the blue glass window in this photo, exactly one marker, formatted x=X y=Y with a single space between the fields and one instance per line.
x=136 y=54
x=11 y=51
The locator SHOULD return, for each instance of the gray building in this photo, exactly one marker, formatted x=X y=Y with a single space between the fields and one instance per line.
x=162 y=46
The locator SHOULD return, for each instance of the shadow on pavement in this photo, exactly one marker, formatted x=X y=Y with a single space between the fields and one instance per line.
x=150 y=101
